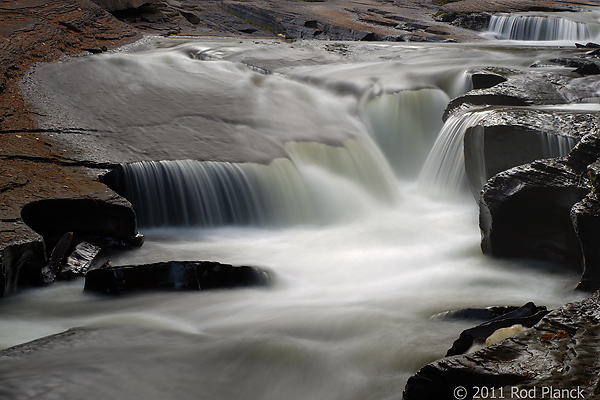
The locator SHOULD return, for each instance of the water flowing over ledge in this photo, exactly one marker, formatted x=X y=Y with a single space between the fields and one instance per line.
x=318 y=183
x=542 y=28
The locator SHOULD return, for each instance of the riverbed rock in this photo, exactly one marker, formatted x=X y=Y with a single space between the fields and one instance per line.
x=585 y=215
x=486 y=78
x=542 y=88
x=113 y=217
x=172 y=275
x=561 y=351
x=57 y=258
x=21 y=265
x=527 y=315
x=483 y=314
x=79 y=261
x=510 y=137
x=525 y=212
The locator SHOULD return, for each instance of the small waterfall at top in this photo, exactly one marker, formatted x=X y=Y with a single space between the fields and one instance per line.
x=546 y=27
x=318 y=183
x=405 y=125
x=444 y=171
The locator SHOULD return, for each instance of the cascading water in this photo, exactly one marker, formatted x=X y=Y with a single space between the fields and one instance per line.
x=360 y=260
x=405 y=125
x=444 y=171
x=546 y=27
x=318 y=183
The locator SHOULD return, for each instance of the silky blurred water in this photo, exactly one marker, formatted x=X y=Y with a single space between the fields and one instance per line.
x=348 y=314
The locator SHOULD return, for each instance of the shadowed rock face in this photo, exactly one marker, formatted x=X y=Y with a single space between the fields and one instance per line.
x=524 y=212
x=561 y=351
x=52 y=217
x=585 y=215
x=507 y=138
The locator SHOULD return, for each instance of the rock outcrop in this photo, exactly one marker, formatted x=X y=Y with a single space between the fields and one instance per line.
x=113 y=217
x=525 y=212
x=547 y=209
x=561 y=351
x=510 y=137
x=527 y=316
x=173 y=275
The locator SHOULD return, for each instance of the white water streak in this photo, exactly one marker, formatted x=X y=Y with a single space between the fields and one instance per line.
x=444 y=171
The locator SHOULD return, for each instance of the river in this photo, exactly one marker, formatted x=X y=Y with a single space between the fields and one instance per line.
x=326 y=142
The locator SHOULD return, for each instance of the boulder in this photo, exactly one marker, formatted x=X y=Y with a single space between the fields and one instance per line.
x=51 y=218
x=561 y=351
x=173 y=275
x=525 y=212
x=511 y=137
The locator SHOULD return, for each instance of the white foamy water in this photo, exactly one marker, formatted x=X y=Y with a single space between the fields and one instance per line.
x=360 y=260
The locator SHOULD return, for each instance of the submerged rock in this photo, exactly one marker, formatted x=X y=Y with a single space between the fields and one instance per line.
x=173 y=275
x=560 y=351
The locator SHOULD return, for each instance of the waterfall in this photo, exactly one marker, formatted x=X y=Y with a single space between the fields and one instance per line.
x=405 y=125
x=317 y=183
x=444 y=171
x=547 y=27
x=553 y=145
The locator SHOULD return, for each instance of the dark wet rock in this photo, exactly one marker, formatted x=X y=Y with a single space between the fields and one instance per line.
x=57 y=258
x=561 y=351
x=173 y=275
x=21 y=265
x=521 y=90
x=589 y=68
x=483 y=79
x=511 y=137
x=525 y=212
x=482 y=314
x=589 y=45
x=586 y=152
x=84 y=217
x=527 y=316
x=585 y=215
x=79 y=261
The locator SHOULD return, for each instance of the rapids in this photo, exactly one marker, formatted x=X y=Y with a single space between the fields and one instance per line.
x=314 y=164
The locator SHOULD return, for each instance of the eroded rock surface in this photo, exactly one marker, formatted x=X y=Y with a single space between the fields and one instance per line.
x=560 y=351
